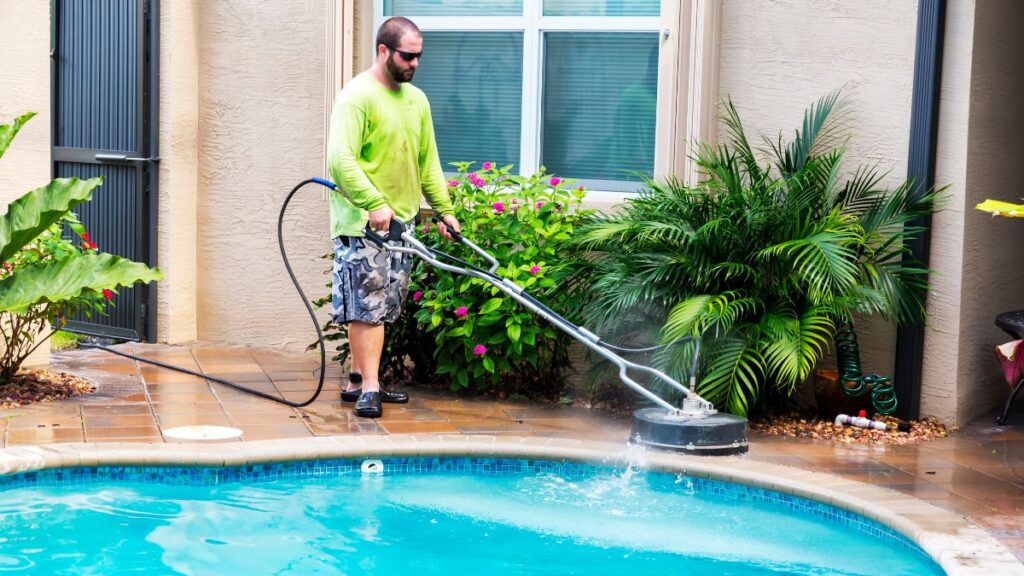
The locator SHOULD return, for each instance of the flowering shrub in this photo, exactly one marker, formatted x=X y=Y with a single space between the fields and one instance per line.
x=462 y=331
x=481 y=336
x=43 y=276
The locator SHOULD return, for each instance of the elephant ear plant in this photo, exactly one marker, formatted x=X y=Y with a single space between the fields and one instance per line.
x=45 y=277
x=763 y=261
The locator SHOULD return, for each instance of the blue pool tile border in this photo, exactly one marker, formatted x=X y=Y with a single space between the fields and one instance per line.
x=480 y=466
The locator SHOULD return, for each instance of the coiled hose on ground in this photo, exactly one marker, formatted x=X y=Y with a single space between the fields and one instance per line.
x=852 y=378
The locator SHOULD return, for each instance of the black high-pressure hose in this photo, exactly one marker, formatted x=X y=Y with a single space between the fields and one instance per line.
x=309 y=308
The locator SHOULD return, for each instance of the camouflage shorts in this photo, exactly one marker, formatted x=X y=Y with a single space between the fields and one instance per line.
x=369 y=284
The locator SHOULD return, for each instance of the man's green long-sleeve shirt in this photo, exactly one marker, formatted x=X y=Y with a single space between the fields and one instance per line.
x=382 y=152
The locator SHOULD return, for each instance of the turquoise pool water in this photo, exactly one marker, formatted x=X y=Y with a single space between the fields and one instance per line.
x=428 y=516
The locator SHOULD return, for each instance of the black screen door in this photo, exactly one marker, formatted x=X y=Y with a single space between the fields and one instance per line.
x=104 y=124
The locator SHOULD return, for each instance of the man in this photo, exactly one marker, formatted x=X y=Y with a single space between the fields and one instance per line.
x=383 y=156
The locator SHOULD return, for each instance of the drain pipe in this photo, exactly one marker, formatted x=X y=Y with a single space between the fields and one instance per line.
x=924 y=133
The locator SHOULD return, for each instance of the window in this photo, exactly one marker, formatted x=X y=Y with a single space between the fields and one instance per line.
x=566 y=84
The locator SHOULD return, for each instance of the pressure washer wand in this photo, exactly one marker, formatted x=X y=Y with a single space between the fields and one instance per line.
x=693 y=406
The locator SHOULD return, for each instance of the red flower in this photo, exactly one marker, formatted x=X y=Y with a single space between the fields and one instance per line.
x=107 y=294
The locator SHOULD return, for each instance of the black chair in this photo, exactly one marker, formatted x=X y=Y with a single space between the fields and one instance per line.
x=1013 y=324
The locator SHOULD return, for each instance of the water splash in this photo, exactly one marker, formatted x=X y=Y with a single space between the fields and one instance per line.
x=635 y=456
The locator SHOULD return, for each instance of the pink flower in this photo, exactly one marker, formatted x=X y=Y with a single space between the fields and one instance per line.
x=581 y=188
x=425 y=229
x=540 y=204
x=417 y=295
x=534 y=269
x=556 y=181
x=453 y=183
x=499 y=207
x=461 y=311
x=488 y=165
x=479 y=350
x=478 y=181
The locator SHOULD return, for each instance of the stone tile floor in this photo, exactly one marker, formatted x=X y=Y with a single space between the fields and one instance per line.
x=977 y=472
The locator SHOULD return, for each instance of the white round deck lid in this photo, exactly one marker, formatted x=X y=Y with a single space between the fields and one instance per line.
x=202 y=433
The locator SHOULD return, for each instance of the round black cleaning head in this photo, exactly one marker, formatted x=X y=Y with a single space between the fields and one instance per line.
x=718 y=434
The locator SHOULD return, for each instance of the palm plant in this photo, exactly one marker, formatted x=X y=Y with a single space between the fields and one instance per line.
x=763 y=261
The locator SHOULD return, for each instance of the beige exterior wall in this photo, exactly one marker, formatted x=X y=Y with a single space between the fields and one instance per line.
x=776 y=58
x=261 y=100
x=25 y=87
x=979 y=154
x=178 y=181
x=993 y=277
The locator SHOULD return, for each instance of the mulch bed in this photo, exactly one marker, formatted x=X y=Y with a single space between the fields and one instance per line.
x=38 y=385
x=794 y=426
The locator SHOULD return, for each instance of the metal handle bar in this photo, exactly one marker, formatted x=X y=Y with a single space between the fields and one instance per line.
x=513 y=290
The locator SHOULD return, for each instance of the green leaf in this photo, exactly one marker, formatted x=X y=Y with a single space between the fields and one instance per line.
x=28 y=216
x=9 y=131
x=491 y=305
x=460 y=330
x=488 y=364
x=435 y=319
x=795 y=344
x=489 y=320
x=513 y=332
x=733 y=376
x=63 y=280
x=682 y=320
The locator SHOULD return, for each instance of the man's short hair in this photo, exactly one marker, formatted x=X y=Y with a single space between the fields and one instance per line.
x=392 y=30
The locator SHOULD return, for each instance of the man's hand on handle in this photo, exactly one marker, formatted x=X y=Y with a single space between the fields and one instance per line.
x=380 y=219
x=450 y=221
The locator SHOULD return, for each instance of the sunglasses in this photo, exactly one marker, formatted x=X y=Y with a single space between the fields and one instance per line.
x=407 y=56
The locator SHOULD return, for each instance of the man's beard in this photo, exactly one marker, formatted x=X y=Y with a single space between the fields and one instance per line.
x=399 y=75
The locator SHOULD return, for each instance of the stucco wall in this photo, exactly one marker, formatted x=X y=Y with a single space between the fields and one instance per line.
x=365 y=34
x=942 y=336
x=178 y=143
x=25 y=87
x=776 y=58
x=993 y=279
x=261 y=99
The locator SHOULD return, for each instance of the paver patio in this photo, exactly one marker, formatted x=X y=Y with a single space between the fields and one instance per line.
x=977 y=472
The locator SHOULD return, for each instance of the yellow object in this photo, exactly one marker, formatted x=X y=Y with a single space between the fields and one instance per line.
x=999 y=208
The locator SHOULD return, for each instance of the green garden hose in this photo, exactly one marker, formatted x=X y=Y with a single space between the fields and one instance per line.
x=853 y=380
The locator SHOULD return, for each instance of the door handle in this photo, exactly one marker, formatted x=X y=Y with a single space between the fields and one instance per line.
x=123 y=158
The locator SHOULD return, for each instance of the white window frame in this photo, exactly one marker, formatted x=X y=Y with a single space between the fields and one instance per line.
x=533 y=24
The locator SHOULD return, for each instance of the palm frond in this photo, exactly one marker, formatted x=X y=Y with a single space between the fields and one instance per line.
x=795 y=343
x=820 y=131
x=733 y=375
x=683 y=319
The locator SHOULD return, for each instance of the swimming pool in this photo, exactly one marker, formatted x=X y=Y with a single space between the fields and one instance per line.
x=450 y=514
